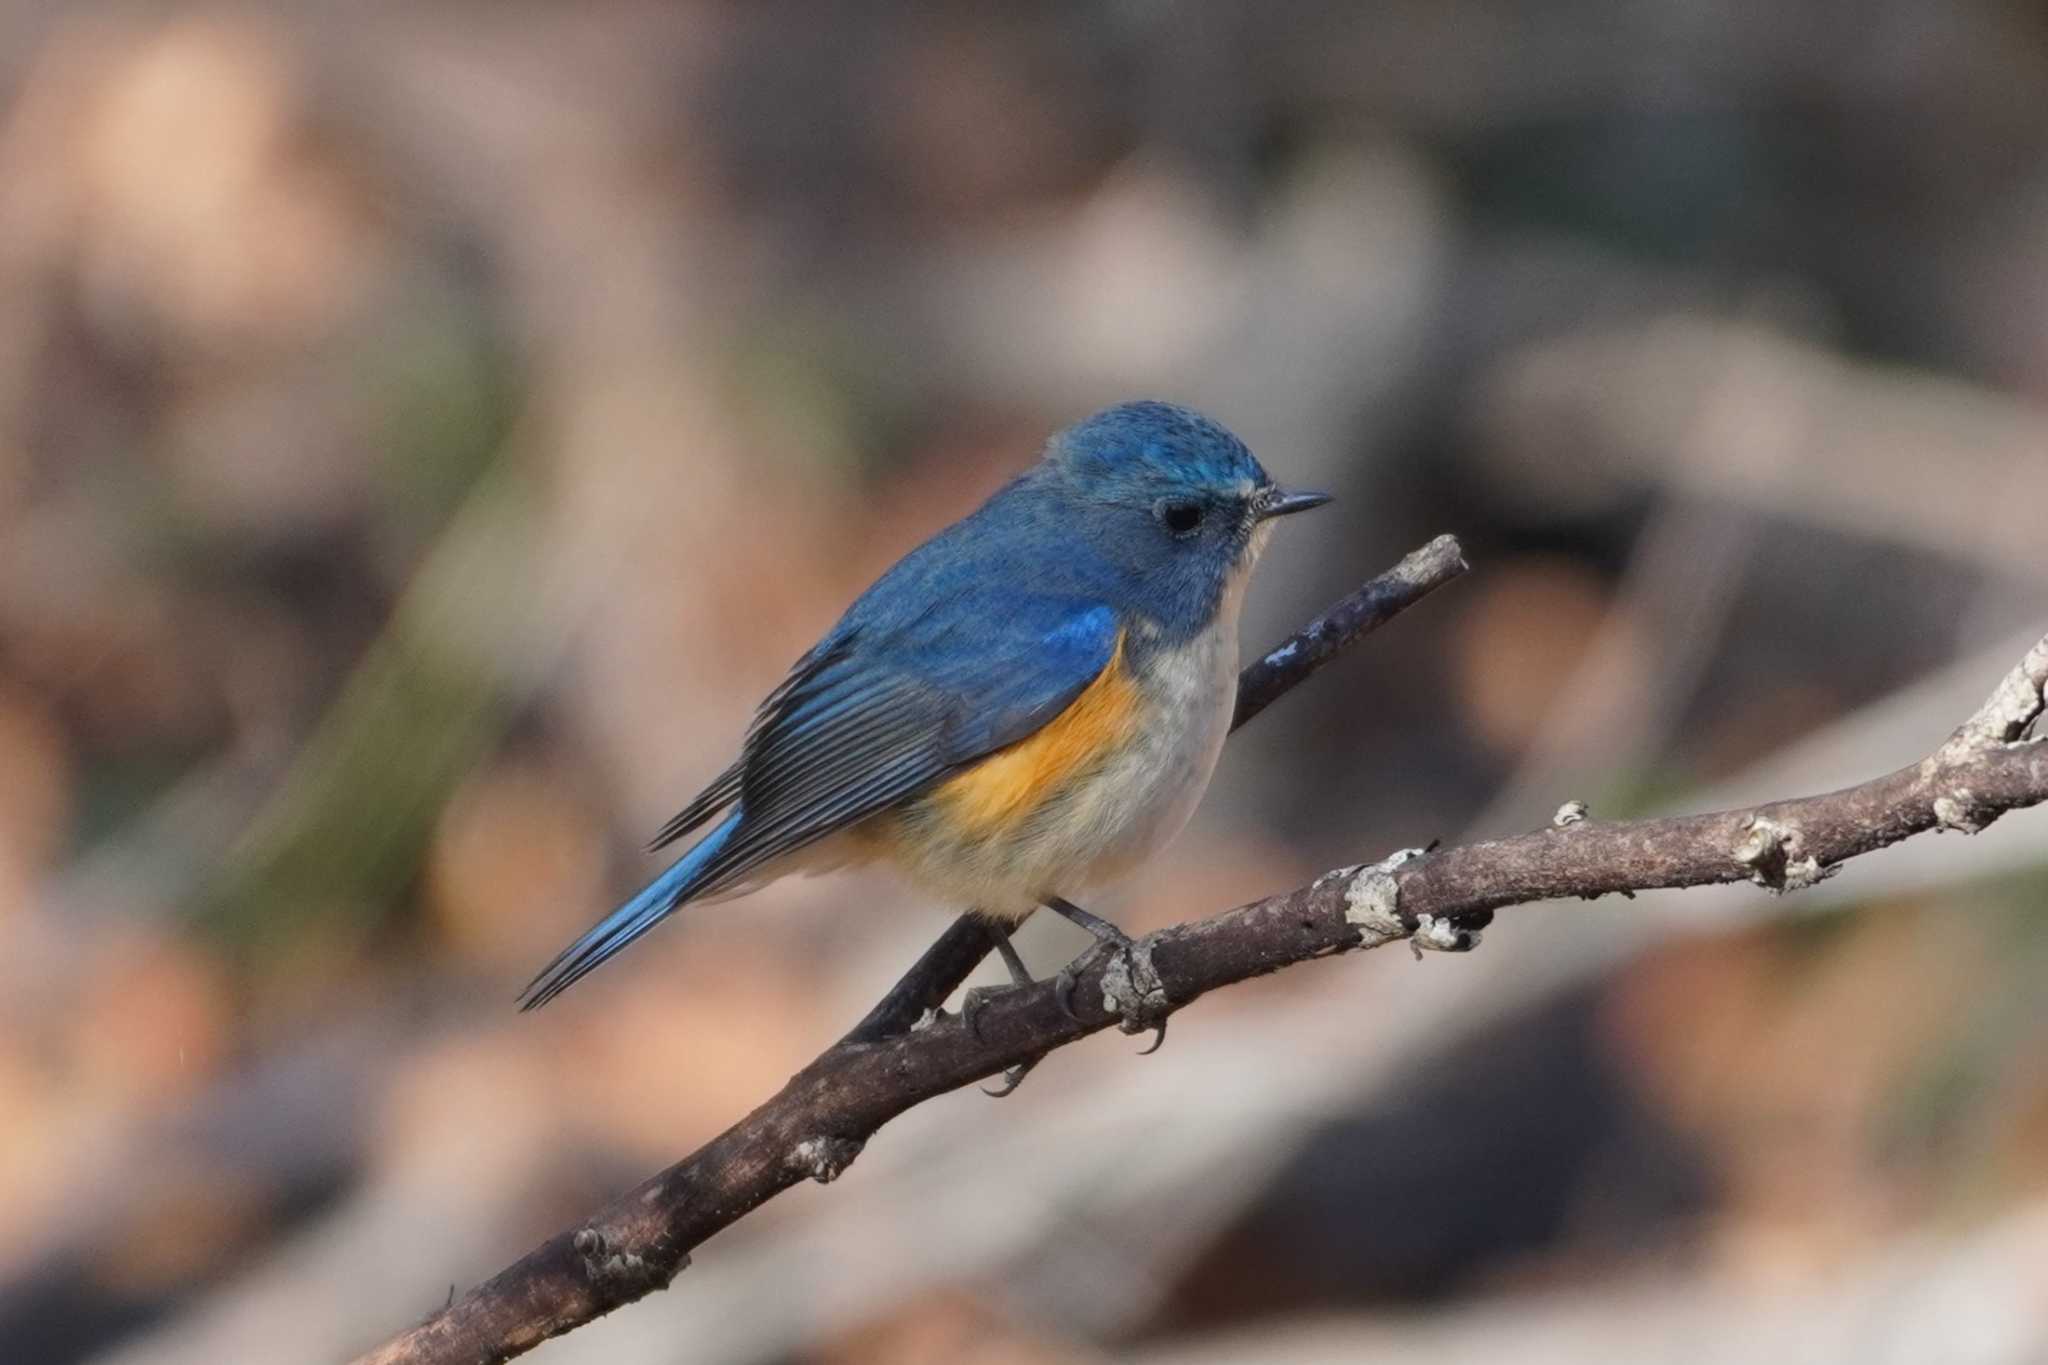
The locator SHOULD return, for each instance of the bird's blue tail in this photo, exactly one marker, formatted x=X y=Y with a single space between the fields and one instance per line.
x=629 y=921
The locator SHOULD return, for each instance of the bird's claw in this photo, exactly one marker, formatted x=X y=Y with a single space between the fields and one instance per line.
x=1012 y=1078
x=1158 y=1040
x=970 y=1007
x=1070 y=975
x=1131 y=988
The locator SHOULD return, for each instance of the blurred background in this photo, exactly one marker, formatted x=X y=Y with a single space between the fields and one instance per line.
x=427 y=429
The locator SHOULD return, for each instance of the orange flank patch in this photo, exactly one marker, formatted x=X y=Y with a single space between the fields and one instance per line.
x=1006 y=787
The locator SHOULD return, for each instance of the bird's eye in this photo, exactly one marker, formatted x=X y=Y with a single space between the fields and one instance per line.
x=1181 y=518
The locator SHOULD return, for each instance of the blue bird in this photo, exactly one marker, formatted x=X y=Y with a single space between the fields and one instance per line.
x=1023 y=708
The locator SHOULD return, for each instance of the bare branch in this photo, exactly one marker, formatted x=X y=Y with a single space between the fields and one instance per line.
x=818 y=1122
x=1343 y=625
x=2011 y=710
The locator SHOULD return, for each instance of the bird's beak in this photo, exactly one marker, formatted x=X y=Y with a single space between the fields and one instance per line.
x=1285 y=502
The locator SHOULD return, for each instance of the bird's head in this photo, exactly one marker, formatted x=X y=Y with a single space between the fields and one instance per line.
x=1174 y=496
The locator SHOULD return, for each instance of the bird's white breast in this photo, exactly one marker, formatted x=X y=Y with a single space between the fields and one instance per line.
x=1143 y=796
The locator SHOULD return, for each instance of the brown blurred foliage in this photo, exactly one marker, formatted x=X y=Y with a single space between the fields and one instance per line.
x=425 y=431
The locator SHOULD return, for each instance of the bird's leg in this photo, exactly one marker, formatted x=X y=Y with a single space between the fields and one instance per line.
x=1020 y=975
x=971 y=1003
x=1134 y=992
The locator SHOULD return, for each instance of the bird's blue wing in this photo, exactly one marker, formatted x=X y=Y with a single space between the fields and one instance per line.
x=883 y=708
x=881 y=717
x=724 y=789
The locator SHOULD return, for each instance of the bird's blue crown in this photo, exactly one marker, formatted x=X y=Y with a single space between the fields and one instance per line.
x=1148 y=445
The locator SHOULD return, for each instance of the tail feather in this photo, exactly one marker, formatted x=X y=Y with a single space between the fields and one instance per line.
x=627 y=923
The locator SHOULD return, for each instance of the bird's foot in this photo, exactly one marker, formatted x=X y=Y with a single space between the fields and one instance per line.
x=973 y=1000
x=1012 y=1078
x=1070 y=975
x=1020 y=978
x=971 y=1004
x=1131 y=989
x=970 y=1015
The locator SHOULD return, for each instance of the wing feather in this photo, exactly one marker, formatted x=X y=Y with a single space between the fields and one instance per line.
x=723 y=791
x=882 y=709
x=884 y=719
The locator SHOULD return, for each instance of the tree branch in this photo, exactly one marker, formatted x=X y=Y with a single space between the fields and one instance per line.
x=818 y=1122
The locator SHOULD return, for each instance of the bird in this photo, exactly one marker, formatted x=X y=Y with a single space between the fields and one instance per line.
x=1020 y=711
